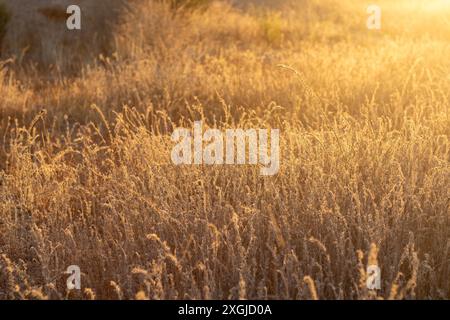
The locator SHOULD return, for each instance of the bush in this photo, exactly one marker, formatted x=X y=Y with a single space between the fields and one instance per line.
x=4 y=19
x=190 y=4
x=271 y=26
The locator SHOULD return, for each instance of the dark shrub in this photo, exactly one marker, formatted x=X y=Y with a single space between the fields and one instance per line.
x=4 y=19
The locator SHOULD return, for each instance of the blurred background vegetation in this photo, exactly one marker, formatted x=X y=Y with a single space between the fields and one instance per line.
x=85 y=172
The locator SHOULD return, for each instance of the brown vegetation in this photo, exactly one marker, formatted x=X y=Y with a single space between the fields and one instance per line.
x=86 y=177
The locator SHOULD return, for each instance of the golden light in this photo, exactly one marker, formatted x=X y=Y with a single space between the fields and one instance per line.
x=435 y=5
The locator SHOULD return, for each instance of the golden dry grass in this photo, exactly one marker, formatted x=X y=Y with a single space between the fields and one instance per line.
x=86 y=177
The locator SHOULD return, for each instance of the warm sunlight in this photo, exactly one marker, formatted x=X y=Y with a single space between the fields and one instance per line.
x=225 y=150
x=417 y=5
x=436 y=5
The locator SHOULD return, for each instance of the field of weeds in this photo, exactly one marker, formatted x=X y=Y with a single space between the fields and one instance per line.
x=86 y=176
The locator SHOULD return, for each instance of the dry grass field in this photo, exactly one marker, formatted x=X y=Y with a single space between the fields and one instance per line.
x=86 y=177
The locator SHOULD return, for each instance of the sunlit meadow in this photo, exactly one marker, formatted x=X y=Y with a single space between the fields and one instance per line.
x=86 y=179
